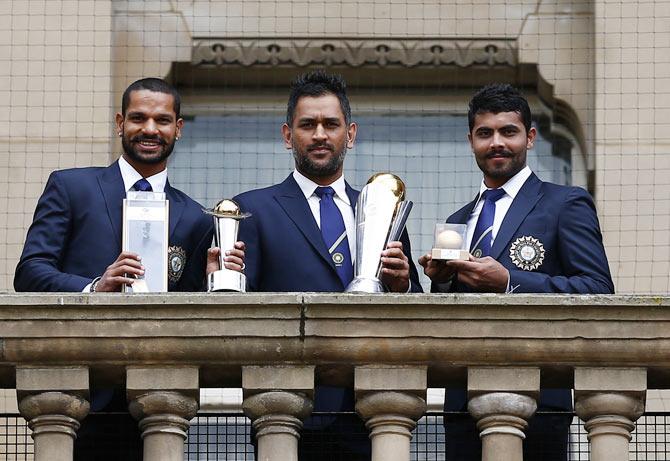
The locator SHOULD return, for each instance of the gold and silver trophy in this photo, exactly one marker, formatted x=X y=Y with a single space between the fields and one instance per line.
x=450 y=240
x=381 y=215
x=227 y=216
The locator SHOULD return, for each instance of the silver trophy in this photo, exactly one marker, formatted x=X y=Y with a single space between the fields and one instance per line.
x=381 y=215
x=227 y=216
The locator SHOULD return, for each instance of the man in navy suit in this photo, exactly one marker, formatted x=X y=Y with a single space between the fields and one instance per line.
x=74 y=242
x=286 y=235
x=525 y=236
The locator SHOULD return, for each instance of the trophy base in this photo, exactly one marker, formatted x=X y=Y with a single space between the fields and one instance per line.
x=446 y=254
x=227 y=280
x=365 y=285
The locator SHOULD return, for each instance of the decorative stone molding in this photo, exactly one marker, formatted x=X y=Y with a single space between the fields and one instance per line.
x=54 y=419
x=502 y=413
x=277 y=418
x=359 y=52
x=391 y=417
x=502 y=418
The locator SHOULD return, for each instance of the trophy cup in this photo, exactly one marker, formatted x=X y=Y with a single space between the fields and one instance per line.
x=381 y=215
x=450 y=242
x=227 y=216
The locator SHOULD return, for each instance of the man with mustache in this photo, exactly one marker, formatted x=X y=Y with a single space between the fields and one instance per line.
x=301 y=234
x=74 y=242
x=525 y=236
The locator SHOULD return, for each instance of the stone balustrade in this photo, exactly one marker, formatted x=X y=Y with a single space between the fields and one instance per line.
x=163 y=348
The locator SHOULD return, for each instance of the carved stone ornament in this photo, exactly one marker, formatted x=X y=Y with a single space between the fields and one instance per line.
x=361 y=52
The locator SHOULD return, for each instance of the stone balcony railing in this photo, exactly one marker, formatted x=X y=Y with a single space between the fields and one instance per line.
x=390 y=348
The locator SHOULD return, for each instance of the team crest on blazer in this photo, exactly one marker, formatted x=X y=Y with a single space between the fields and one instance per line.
x=527 y=253
x=176 y=263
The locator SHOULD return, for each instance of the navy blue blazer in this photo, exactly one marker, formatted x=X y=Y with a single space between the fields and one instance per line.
x=564 y=224
x=76 y=232
x=285 y=250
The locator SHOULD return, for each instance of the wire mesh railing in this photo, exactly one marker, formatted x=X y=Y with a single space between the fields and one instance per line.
x=228 y=436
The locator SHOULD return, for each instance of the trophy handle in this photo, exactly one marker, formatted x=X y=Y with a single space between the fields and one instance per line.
x=398 y=225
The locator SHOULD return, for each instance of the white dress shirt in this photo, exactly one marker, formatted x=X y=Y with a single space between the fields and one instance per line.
x=131 y=176
x=511 y=188
x=307 y=186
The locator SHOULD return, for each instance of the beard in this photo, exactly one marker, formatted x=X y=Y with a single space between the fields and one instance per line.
x=309 y=168
x=516 y=163
x=150 y=159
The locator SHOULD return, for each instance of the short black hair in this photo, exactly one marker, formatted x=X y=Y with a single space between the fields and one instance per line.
x=156 y=85
x=496 y=98
x=318 y=83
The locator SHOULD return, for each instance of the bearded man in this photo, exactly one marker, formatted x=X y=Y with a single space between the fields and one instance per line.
x=301 y=236
x=74 y=242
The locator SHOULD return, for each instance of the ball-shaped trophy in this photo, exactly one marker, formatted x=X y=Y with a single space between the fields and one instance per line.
x=227 y=216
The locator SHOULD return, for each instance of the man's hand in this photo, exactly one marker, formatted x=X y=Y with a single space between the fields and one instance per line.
x=436 y=270
x=234 y=259
x=120 y=272
x=482 y=274
x=395 y=268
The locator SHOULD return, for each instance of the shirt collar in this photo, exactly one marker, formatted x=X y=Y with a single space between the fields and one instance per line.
x=513 y=184
x=131 y=176
x=307 y=186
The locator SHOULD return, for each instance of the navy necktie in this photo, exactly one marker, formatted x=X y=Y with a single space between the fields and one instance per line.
x=143 y=185
x=483 y=236
x=335 y=234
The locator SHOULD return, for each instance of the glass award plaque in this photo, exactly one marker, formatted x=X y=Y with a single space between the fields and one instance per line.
x=145 y=232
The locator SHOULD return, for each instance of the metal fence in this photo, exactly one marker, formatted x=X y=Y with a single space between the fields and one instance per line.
x=227 y=436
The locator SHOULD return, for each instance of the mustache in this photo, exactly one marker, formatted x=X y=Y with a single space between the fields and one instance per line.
x=141 y=138
x=501 y=153
x=320 y=145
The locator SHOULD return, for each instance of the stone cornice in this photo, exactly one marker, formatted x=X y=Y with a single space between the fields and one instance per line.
x=219 y=333
x=354 y=52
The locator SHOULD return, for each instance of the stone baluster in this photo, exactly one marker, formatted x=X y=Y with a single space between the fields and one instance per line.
x=163 y=400
x=609 y=401
x=277 y=399
x=502 y=400
x=390 y=400
x=53 y=400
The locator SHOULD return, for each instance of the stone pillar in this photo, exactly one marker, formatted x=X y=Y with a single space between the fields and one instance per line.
x=502 y=400
x=163 y=400
x=390 y=400
x=609 y=401
x=53 y=401
x=277 y=399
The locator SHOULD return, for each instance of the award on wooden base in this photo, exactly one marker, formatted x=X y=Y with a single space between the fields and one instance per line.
x=450 y=242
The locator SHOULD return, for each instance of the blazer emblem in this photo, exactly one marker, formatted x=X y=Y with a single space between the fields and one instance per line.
x=527 y=253
x=176 y=263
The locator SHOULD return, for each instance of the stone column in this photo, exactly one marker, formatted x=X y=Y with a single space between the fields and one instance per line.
x=502 y=400
x=277 y=399
x=53 y=401
x=390 y=400
x=163 y=400
x=609 y=401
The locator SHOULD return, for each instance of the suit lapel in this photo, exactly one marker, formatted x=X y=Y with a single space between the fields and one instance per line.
x=176 y=207
x=111 y=185
x=352 y=194
x=293 y=202
x=523 y=203
x=462 y=216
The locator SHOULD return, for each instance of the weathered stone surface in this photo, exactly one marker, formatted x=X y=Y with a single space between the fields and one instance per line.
x=277 y=378
x=376 y=378
x=35 y=380
x=141 y=380
x=221 y=333
x=520 y=380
